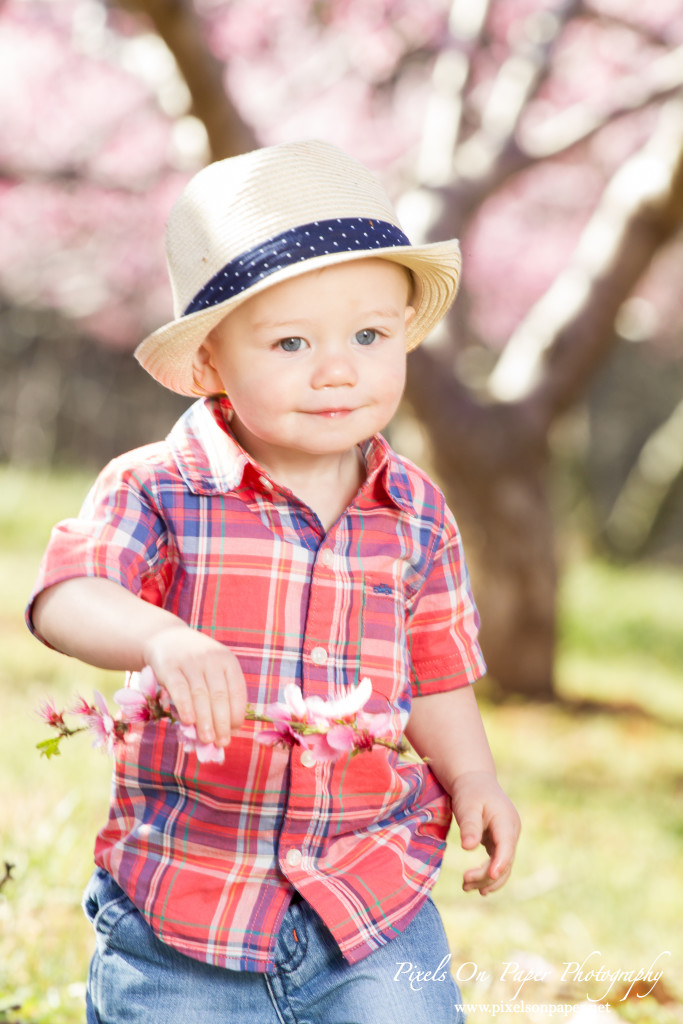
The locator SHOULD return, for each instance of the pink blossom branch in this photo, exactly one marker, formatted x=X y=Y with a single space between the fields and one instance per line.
x=327 y=728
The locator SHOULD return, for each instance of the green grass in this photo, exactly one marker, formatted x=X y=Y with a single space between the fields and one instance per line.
x=50 y=810
x=622 y=639
x=598 y=780
x=599 y=792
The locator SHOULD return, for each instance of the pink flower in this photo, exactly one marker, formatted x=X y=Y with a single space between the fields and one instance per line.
x=281 y=733
x=103 y=725
x=280 y=715
x=81 y=707
x=315 y=710
x=191 y=744
x=47 y=710
x=331 y=744
x=108 y=731
x=145 y=682
x=341 y=738
x=293 y=708
x=134 y=705
x=137 y=699
x=346 y=706
x=370 y=728
x=325 y=740
x=377 y=725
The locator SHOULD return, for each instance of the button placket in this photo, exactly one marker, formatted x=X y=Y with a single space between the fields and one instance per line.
x=319 y=656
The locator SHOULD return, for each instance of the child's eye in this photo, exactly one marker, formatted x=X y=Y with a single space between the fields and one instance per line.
x=291 y=344
x=366 y=337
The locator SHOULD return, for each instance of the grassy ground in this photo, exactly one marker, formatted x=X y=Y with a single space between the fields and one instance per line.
x=597 y=886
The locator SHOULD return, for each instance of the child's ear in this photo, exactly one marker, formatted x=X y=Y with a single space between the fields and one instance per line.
x=204 y=372
x=409 y=314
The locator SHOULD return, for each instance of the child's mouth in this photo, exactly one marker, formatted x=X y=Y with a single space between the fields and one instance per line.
x=332 y=413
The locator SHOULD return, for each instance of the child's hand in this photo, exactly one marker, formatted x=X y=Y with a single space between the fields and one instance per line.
x=485 y=815
x=203 y=678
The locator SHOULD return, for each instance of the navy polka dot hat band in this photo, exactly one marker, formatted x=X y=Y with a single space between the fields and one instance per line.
x=321 y=238
x=246 y=223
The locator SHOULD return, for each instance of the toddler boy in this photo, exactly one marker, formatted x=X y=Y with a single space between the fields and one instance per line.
x=275 y=538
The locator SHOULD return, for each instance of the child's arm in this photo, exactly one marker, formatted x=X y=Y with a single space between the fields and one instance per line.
x=447 y=729
x=103 y=624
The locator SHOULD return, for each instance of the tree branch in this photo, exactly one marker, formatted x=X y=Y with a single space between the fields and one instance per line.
x=450 y=77
x=658 y=467
x=177 y=23
x=479 y=441
x=647 y=32
x=566 y=335
x=70 y=176
x=579 y=123
x=526 y=69
x=490 y=156
x=493 y=153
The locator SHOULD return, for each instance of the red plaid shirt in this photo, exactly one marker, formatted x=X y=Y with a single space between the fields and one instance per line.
x=211 y=854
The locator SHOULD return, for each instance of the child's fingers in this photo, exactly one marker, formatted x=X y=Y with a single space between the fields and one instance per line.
x=193 y=701
x=477 y=877
x=480 y=879
x=237 y=689
x=471 y=830
x=179 y=691
x=498 y=832
x=219 y=718
x=203 y=710
x=227 y=695
x=204 y=680
x=503 y=855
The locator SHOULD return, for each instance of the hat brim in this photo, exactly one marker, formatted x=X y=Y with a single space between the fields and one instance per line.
x=168 y=353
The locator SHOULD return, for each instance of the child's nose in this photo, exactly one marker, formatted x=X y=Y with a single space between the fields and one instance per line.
x=334 y=369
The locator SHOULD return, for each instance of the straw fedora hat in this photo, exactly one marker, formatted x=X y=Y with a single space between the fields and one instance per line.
x=244 y=224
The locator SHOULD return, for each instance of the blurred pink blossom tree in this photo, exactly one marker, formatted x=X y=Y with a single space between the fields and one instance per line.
x=546 y=134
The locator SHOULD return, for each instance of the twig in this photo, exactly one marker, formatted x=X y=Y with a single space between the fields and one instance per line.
x=9 y=868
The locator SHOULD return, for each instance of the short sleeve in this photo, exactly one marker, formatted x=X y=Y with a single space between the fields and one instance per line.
x=443 y=623
x=118 y=535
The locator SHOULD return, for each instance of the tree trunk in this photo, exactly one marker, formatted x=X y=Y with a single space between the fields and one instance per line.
x=181 y=29
x=492 y=462
x=509 y=541
x=492 y=455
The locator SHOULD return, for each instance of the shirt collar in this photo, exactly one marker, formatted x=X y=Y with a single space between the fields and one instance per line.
x=211 y=461
x=389 y=472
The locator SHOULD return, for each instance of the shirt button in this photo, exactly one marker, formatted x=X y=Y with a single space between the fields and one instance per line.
x=307 y=759
x=327 y=557
x=294 y=858
x=265 y=482
x=318 y=655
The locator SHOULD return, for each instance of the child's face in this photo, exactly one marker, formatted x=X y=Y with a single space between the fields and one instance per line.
x=313 y=365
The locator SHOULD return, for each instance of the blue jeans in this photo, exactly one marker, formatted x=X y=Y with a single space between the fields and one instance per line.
x=137 y=979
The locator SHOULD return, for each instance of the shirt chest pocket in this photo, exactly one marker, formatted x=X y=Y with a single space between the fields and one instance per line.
x=383 y=649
